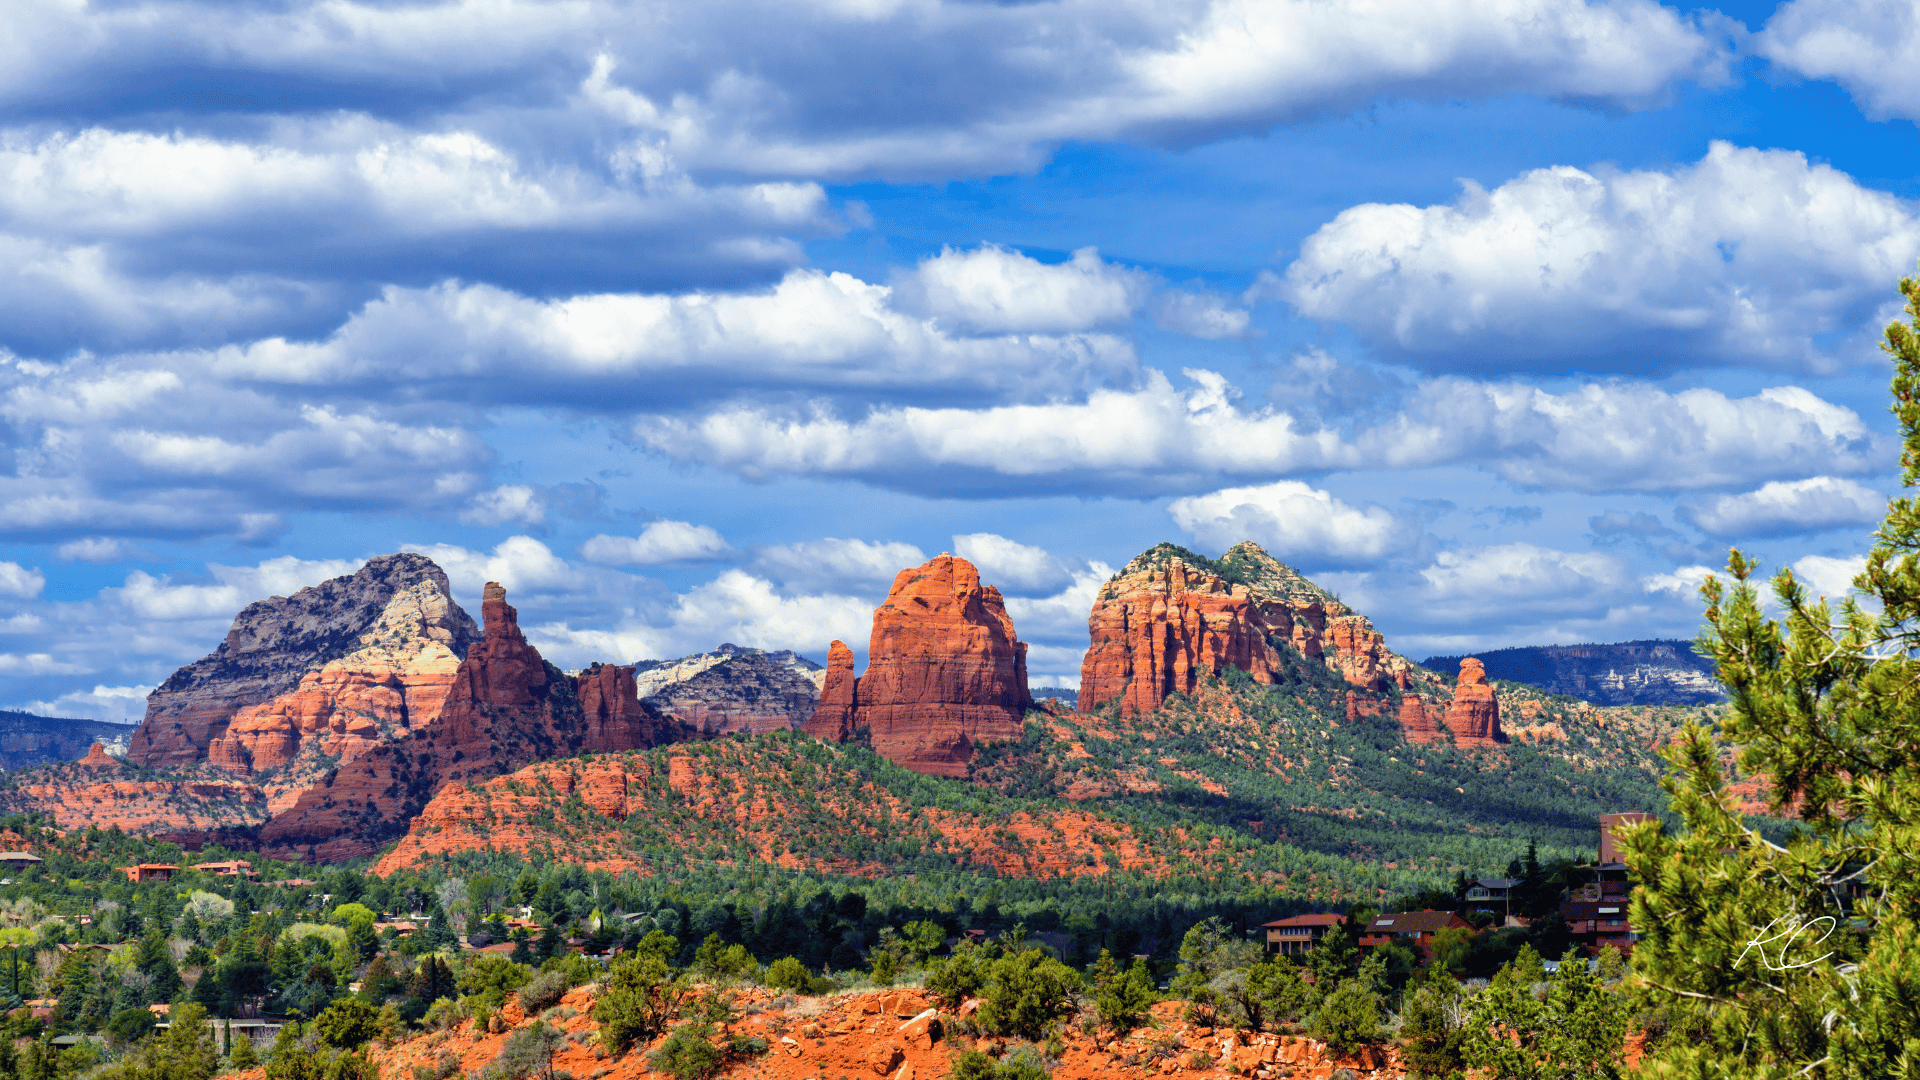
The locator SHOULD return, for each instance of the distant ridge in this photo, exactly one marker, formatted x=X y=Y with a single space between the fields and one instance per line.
x=1659 y=671
x=27 y=739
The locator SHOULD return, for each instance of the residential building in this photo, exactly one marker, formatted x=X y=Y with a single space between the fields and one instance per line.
x=150 y=872
x=1598 y=924
x=1609 y=846
x=237 y=868
x=1411 y=928
x=1299 y=933
x=19 y=860
x=1492 y=894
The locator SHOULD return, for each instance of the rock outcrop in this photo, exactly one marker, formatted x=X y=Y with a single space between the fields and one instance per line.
x=1474 y=715
x=506 y=707
x=832 y=719
x=1417 y=722
x=945 y=671
x=1171 y=616
x=733 y=689
x=97 y=758
x=377 y=615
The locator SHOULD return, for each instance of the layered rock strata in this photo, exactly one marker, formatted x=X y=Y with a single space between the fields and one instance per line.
x=383 y=615
x=506 y=707
x=733 y=689
x=945 y=671
x=1474 y=715
x=1418 y=723
x=1172 y=617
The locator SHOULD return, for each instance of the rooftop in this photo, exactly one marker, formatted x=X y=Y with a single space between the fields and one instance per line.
x=1306 y=920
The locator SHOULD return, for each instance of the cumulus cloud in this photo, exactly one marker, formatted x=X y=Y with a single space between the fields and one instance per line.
x=1748 y=257
x=990 y=290
x=660 y=542
x=1157 y=439
x=1824 y=575
x=157 y=597
x=518 y=563
x=508 y=502
x=1786 y=508
x=1204 y=315
x=1683 y=583
x=19 y=582
x=1295 y=522
x=1012 y=566
x=832 y=565
x=1870 y=47
x=812 y=330
x=95 y=549
x=1059 y=621
x=115 y=704
x=1503 y=580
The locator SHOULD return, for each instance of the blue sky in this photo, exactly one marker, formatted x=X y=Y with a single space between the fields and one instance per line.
x=694 y=323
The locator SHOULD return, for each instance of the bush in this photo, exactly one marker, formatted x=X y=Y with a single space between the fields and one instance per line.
x=788 y=973
x=642 y=995
x=1348 y=1017
x=687 y=1054
x=1023 y=1064
x=130 y=1025
x=347 y=1024
x=959 y=976
x=544 y=991
x=528 y=1051
x=492 y=978
x=1026 y=993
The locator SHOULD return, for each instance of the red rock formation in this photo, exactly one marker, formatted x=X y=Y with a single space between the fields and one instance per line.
x=1474 y=716
x=1160 y=629
x=507 y=707
x=945 y=671
x=1417 y=723
x=275 y=642
x=1166 y=620
x=833 y=718
x=97 y=758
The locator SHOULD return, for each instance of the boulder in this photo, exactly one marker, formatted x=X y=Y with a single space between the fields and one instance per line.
x=1474 y=715
x=883 y=1057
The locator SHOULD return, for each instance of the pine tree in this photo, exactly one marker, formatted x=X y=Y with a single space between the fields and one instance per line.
x=1800 y=960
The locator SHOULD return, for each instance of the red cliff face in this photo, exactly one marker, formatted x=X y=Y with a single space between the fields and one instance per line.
x=1417 y=722
x=1159 y=629
x=1474 y=716
x=391 y=601
x=833 y=718
x=1171 y=616
x=507 y=707
x=944 y=671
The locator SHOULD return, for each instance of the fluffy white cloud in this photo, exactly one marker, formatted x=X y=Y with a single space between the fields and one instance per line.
x=1824 y=575
x=1060 y=619
x=518 y=564
x=1684 y=582
x=1747 y=257
x=116 y=704
x=95 y=549
x=158 y=598
x=811 y=330
x=1295 y=522
x=20 y=582
x=658 y=543
x=1784 y=508
x=1011 y=565
x=833 y=565
x=1871 y=47
x=508 y=502
x=990 y=290
x=1600 y=437
x=1506 y=579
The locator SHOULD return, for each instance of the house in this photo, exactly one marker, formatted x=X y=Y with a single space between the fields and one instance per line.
x=19 y=860
x=150 y=872
x=1492 y=894
x=1596 y=924
x=1299 y=933
x=237 y=868
x=1411 y=928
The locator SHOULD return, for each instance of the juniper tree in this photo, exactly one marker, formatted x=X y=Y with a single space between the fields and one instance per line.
x=1800 y=959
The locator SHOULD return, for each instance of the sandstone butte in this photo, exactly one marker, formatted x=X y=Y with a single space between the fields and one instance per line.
x=1474 y=715
x=1162 y=624
x=899 y=1034
x=945 y=671
x=364 y=653
x=506 y=707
